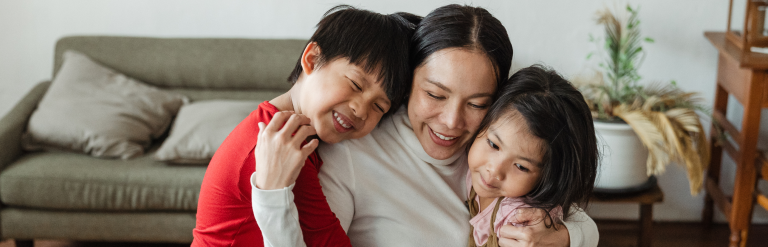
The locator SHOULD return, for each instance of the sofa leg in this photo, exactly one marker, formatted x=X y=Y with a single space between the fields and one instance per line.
x=24 y=243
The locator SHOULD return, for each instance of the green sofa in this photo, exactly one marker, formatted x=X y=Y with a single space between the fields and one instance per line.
x=71 y=196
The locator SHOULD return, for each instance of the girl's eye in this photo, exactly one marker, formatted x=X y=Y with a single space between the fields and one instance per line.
x=521 y=167
x=435 y=96
x=493 y=145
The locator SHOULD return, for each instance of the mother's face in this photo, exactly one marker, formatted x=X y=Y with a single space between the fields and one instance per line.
x=451 y=93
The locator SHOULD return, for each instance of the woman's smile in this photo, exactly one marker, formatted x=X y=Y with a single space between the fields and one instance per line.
x=441 y=139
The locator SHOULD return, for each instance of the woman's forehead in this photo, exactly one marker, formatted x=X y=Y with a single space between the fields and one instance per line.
x=459 y=69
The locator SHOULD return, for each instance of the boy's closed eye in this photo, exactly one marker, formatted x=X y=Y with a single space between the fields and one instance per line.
x=358 y=88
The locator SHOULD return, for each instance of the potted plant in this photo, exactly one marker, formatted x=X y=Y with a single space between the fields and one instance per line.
x=643 y=127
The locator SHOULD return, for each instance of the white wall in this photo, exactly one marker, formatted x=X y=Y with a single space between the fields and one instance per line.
x=554 y=32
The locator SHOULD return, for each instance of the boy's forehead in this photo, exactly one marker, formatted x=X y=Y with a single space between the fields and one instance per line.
x=372 y=75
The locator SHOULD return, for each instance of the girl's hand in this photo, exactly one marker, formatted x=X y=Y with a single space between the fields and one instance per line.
x=279 y=154
x=534 y=233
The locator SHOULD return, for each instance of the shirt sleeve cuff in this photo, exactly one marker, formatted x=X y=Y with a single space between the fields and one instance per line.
x=271 y=198
x=582 y=230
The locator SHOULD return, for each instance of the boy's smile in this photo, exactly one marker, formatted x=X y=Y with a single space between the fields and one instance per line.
x=342 y=123
x=341 y=99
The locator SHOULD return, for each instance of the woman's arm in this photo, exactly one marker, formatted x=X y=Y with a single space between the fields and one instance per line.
x=579 y=231
x=276 y=212
x=299 y=214
x=337 y=178
x=277 y=216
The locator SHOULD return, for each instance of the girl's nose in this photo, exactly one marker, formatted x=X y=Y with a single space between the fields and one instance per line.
x=494 y=168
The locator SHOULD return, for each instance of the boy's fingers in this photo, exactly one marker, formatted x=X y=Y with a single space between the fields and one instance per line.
x=277 y=121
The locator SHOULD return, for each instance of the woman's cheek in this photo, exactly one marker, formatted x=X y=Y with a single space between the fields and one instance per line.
x=474 y=119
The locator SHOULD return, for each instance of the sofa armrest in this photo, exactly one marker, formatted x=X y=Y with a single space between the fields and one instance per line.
x=13 y=124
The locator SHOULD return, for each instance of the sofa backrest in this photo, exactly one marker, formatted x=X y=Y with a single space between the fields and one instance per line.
x=193 y=63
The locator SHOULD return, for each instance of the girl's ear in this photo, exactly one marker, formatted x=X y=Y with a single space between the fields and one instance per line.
x=310 y=58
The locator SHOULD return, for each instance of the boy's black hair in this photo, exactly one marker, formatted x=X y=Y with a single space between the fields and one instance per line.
x=461 y=26
x=370 y=40
x=556 y=112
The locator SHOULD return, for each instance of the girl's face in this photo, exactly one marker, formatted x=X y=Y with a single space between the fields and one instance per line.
x=451 y=93
x=504 y=160
x=341 y=100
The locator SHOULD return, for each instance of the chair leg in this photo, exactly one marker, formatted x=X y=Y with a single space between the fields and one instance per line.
x=24 y=243
x=738 y=238
x=716 y=155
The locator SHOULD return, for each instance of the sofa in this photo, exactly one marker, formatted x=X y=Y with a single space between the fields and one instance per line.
x=74 y=196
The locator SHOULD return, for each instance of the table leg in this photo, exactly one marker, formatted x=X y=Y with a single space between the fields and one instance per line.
x=646 y=225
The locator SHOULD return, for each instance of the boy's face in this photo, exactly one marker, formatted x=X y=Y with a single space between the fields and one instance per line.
x=341 y=100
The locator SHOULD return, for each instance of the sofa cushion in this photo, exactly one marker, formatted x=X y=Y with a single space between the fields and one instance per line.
x=193 y=63
x=93 y=109
x=200 y=128
x=71 y=181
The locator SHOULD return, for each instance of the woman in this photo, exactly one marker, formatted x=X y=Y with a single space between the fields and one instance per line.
x=403 y=184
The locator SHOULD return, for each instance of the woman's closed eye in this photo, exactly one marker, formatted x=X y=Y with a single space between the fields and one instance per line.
x=435 y=96
x=476 y=106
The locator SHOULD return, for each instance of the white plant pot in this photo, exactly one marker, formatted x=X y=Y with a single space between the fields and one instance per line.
x=623 y=157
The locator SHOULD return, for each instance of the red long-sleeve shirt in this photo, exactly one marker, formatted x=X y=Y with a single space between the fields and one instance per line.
x=224 y=212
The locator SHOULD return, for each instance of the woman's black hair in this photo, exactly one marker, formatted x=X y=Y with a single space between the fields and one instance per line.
x=555 y=112
x=461 y=26
x=370 y=40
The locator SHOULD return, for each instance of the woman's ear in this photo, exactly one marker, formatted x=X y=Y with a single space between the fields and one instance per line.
x=310 y=59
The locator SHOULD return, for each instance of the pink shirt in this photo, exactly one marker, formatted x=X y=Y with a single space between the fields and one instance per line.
x=506 y=215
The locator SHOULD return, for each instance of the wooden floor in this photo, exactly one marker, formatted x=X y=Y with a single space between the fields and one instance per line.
x=612 y=234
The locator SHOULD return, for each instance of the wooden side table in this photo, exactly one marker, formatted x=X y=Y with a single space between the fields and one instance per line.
x=646 y=199
x=743 y=75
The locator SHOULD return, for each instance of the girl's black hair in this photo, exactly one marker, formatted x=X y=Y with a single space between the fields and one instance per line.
x=370 y=40
x=461 y=26
x=556 y=112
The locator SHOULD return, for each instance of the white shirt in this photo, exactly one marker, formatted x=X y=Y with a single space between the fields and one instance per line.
x=387 y=191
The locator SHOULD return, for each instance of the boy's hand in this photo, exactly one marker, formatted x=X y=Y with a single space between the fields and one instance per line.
x=279 y=154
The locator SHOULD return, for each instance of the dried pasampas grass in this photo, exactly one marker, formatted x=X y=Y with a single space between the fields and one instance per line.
x=664 y=118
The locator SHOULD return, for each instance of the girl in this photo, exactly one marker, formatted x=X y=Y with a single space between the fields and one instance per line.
x=535 y=148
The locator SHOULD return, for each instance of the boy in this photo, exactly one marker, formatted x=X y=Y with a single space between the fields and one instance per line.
x=351 y=73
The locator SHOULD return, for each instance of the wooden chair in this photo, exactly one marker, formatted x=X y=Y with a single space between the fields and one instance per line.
x=743 y=75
